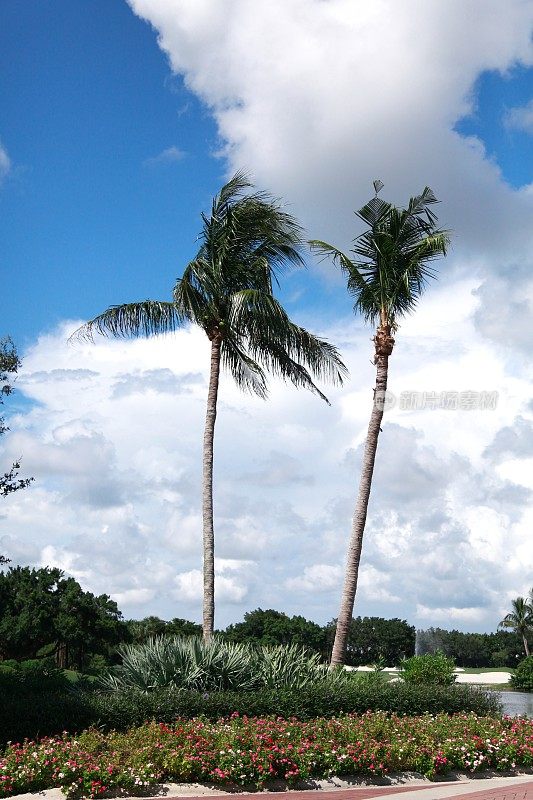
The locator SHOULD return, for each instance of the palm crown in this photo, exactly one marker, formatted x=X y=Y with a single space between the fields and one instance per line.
x=392 y=257
x=227 y=290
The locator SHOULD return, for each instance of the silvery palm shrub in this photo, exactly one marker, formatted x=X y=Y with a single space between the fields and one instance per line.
x=191 y=663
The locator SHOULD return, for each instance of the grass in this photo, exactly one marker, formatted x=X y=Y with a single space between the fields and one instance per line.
x=481 y=670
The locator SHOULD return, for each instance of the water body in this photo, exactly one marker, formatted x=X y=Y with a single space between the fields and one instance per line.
x=515 y=703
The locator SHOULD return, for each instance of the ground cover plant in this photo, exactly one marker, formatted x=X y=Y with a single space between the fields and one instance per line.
x=250 y=751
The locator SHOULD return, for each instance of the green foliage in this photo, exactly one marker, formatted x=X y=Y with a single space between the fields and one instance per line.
x=428 y=670
x=140 y=631
x=26 y=678
x=246 y=240
x=520 y=620
x=9 y=366
x=274 y=627
x=40 y=609
x=374 y=639
x=218 y=665
x=522 y=680
x=48 y=714
x=502 y=649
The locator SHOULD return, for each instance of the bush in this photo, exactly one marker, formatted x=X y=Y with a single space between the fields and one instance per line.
x=428 y=670
x=49 y=714
x=522 y=680
x=192 y=664
x=23 y=678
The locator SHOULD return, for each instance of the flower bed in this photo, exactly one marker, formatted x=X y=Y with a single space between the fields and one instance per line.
x=249 y=752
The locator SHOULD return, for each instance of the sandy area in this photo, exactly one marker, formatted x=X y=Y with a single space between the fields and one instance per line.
x=483 y=678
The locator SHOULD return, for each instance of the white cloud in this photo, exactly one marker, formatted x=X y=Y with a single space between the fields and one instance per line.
x=190 y=588
x=5 y=162
x=317 y=578
x=133 y=597
x=318 y=98
x=168 y=156
x=520 y=118
x=468 y=616
x=117 y=496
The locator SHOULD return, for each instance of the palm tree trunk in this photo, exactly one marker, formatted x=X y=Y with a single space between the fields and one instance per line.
x=207 y=493
x=526 y=645
x=384 y=344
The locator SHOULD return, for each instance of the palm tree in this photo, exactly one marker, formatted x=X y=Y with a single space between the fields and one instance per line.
x=520 y=620
x=227 y=290
x=387 y=271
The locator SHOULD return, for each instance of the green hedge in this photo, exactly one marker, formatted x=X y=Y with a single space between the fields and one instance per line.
x=51 y=713
x=25 y=678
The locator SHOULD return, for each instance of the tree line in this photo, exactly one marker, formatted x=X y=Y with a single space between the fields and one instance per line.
x=44 y=614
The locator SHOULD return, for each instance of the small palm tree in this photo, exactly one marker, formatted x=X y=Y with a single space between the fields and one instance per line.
x=520 y=620
x=388 y=270
x=227 y=290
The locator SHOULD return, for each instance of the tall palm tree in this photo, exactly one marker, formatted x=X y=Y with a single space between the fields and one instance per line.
x=520 y=620
x=388 y=268
x=227 y=290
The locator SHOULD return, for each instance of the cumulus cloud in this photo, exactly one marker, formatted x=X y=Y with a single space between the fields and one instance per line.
x=520 y=118
x=170 y=155
x=317 y=578
x=5 y=162
x=318 y=99
x=117 y=496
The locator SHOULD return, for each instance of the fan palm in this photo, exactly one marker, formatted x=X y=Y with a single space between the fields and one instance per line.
x=227 y=290
x=388 y=269
x=520 y=620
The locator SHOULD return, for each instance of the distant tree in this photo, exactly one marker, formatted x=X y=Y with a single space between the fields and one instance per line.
x=84 y=624
x=183 y=627
x=9 y=365
x=520 y=620
x=374 y=639
x=28 y=606
x=271 y=627
x=41 y=610
x=501 y=649
x=140 y=630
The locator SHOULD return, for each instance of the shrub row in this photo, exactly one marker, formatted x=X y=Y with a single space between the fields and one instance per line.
x=50 y=714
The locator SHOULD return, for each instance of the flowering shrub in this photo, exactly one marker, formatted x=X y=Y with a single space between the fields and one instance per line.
x=250 y=751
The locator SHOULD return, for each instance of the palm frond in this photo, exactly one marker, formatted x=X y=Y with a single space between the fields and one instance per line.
x=260 y=319
x=247 y=374
x=146 y=318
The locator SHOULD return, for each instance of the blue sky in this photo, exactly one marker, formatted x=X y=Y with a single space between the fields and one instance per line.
x=119 y=122
x=113 y=161
x=88 y=219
